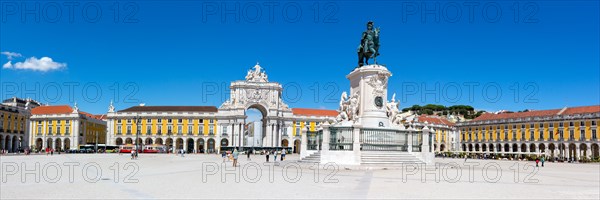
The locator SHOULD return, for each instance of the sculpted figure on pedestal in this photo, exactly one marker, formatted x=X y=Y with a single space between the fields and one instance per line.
x=392 y=108
x=343 y=109
x=354 y=105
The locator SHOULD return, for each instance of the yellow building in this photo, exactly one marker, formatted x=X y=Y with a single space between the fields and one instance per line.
x=196 y=128
x=202 y=129
x=210 y=129
x=14 y=118
x=445 y=138
x=63 y=127
x=570 y=132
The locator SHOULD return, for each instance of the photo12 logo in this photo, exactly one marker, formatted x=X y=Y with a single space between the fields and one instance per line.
x=69 y=11
x=471 y=172
x=269 y=11
x=253 y=172
x=53 y=172
x=452 y=92
x=469 y=11
x=90 y=92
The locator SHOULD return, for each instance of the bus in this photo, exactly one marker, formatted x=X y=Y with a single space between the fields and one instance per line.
x=108 y=148
x=91 y=148
x=127 y=148
x=86 y=148
x=154 y=148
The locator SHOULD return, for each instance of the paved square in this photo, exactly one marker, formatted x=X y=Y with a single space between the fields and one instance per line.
x=201 y=176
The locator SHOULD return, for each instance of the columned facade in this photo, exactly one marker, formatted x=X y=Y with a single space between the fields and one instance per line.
x=570 y=133
x=211 y=128
x=14 y=123
x=61 y=128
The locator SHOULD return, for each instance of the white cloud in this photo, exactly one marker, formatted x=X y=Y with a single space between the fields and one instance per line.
x=43 y=64
x=7 y=65
x=11 y=55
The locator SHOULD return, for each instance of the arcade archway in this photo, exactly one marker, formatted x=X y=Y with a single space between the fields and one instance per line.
x=38 y=144
x=255 y=135
x=200 y=146
x=211 y=145
x=297 y=146
x=179 y=144
x=67 y=144
x=284 y=143
x=190 y=145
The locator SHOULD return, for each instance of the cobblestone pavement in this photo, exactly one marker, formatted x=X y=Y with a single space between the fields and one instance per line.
x=206 y=176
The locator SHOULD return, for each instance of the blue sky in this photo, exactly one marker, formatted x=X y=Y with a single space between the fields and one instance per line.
x=187 y=52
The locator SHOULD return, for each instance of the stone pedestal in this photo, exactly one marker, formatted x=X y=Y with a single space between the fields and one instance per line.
x=304 y=142
x=370 y=84
x=365 y=113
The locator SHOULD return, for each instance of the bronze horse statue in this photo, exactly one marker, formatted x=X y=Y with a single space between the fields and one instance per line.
x=369 y=45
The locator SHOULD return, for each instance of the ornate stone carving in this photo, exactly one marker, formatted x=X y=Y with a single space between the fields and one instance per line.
x=256 y=89
x=354 y=105
x=379 y=83
x=349 y=107
x=343 y=109
x=75 y=108
x=226 y=104
x=111 y=108
x=257 y=75
x=392 y=109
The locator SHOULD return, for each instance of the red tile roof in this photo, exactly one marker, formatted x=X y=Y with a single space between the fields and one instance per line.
x=432 y=119
x=91 y=115
x=535 y=113
x=61 y=109
x=539 y=113
x=48 y=110
x=171 y=109
x=314 y=112
x=582 y=110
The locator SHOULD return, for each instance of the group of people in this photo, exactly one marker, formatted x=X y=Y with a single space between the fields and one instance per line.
x=25 y=151
x=3 y=151
x=233 y=156
x=537 y=161
x=274 y=153
x=134 y=155
x=180 y=152
x=50 y=151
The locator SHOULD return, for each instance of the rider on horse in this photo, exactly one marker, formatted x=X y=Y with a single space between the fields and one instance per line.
x=369 y=45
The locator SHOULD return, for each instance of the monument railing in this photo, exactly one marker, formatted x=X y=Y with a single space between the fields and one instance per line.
x=314 y=139
x=417 y=141
x=372 y=139
x=341 y=138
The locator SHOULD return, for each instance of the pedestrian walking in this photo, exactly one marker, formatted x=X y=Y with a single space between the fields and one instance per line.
x=283 y=154
x=235 y=157
x=275 y=156
x=267 y=155
x=132 y=155
x=543 y=161
x=248 y=154
x=224 y=155
x=537 y=161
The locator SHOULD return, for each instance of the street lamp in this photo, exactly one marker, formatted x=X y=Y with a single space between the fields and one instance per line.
x=96 y=146
x=137 y=134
